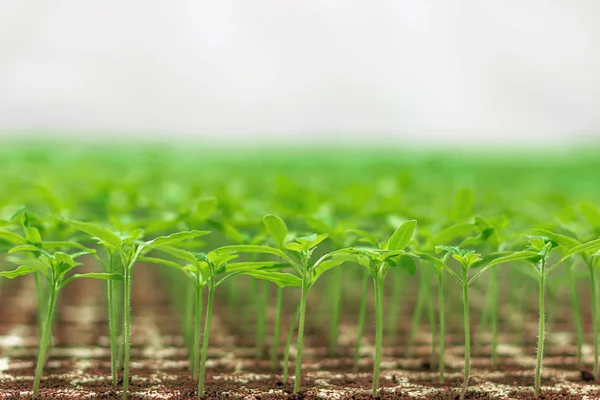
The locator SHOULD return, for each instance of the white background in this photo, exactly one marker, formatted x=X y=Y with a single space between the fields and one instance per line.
x=431 y=71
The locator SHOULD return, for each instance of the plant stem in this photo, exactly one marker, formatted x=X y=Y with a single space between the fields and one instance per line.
x=417 y=314
x=305 y=287
x=40 y=290
x=442 y=324
x=261 y=318
x=334 y=313
x=540 y=345
x=361 y=318
x=45 y=339
x=112 y=331
x=112 y=326
x=288 y=344
x=378 y=283
x=494 y=316
x=188 y=321
x=576 y=313
x=594 y=317
x=394 y=305
x=277 y=328
x=207 y=318
x=126 y=328
x=467 y=326
x=197 y=324
x=431 y=317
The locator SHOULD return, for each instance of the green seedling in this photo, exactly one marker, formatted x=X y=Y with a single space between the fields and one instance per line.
x=469 y=259
x=298 y=254
x=54 y=268
x=128 y=248
x=212 y=269
x=378 y=262
x=586 y=251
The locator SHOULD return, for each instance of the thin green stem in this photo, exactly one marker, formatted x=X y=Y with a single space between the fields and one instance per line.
x=540 y=345
x=197 y=328
x=494 y=316
x=378 y=284
x=362 y=310
x=288 y=344
x=277 y=328
x=305 y=287
x=45 y=339
x=594 y=318
x=335 y=296
x=189 y=324
x=112 y=326
x=576 y=313
x=394 y=305
x=467 y=326
x=431 y=318
x=261 y=318
x=126 y=328
x=112 y=331
x=417 y=315
x=442 y=324
x=205 y=339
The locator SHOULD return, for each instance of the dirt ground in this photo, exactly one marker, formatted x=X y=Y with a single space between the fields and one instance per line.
x=79 y=365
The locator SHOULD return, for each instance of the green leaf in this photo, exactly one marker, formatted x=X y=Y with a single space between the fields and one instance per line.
x=558 y=238
x=251 y=248
x=401 y=237
x=95 y=275
x=205 y=208
x=12 y=237
x=334 y=261
x=160 y=261
x=453 y=232
x=25 y=248
x=252 y=265
x=33 y=263
x=276 y=228
x=525 y=256
x=591 y=213
x=281 y=279
x=65 y=244
x=365 y=236
x=463 y=203
x=404 y=262
x=20 y=271
x=173 y=239
x=589 y=246
x=32 y=234
x=178 y=253
x=304 y=244
x=104 y=235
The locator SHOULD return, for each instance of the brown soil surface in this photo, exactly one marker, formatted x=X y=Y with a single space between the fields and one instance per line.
x=79 y=364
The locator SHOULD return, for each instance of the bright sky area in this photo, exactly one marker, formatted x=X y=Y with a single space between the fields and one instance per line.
x=365 y=71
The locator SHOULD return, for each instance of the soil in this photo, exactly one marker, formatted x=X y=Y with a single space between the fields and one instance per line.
x=79 y=364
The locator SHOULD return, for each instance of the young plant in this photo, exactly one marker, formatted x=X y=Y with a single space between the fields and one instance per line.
x=467 y=260
x=298 y=254
x=54 y=268
x=586 y=251
x=379 y=261
x=277 y=229
x=211 y=270
x=128 y=248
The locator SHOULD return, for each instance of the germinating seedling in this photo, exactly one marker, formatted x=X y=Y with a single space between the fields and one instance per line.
x=55 y=268
x=211 y=270
x=298 y=254
x=467 y=260
x=128 y=248
x=586 y=251
x=379 y=261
